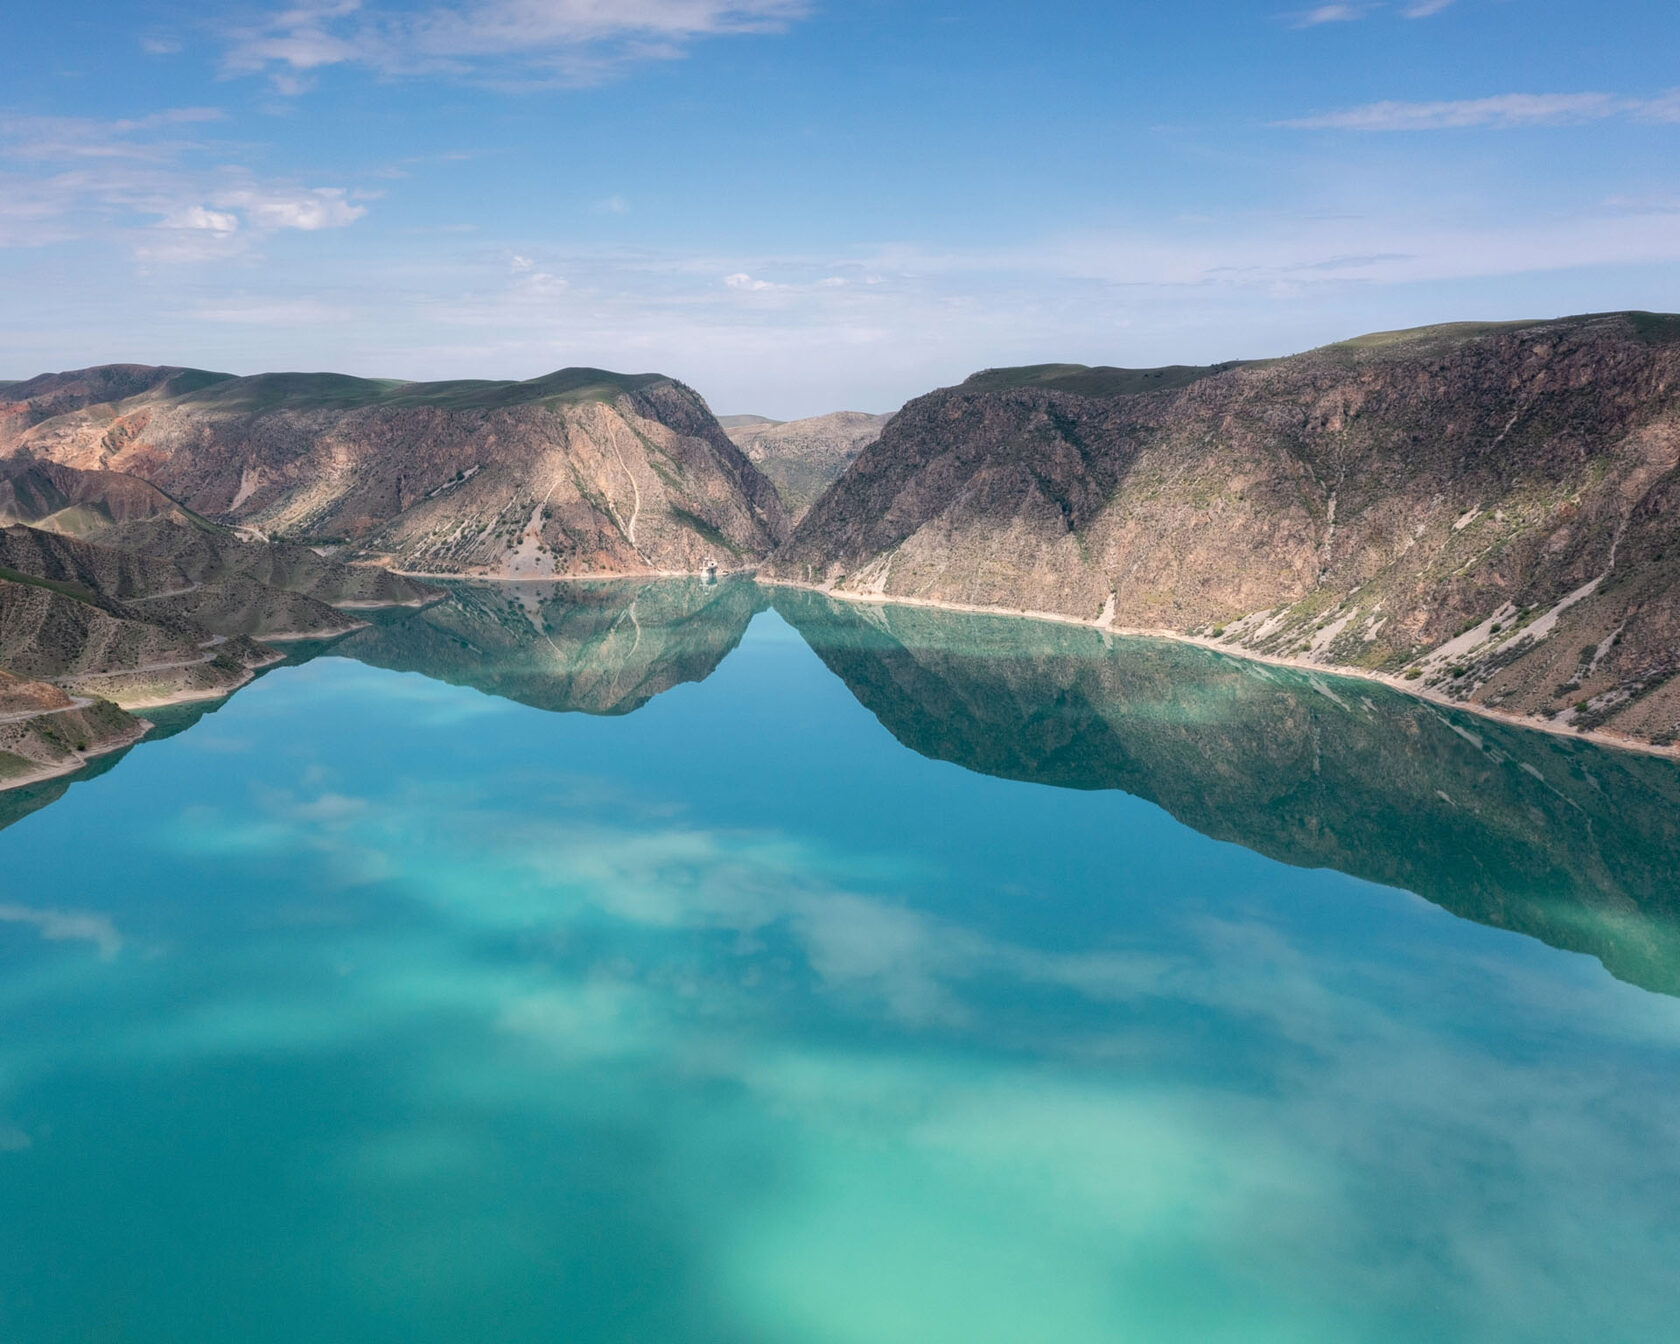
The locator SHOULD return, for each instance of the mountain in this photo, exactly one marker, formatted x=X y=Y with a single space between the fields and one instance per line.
x=803 y=458
x=1488 y=512
x=1559 y=839
x=578 y=472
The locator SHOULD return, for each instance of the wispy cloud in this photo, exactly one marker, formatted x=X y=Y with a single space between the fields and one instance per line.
x=1347 y=11
x=1501 y=112
x=1331 y=13
x=133 y=138
x=498 y=41
x=139 y=179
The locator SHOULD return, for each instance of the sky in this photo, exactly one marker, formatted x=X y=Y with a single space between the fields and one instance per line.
x=799 y=206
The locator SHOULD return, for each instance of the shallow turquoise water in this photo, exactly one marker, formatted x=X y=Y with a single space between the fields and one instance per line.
x=375 y=1008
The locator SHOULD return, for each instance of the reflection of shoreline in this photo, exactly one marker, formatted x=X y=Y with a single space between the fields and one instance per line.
x=624 y=576
x=1409 y=688
x=1563 y=840
x=593 y=645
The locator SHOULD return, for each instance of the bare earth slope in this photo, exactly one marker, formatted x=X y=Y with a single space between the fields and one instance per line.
x=93 y=646
x=803 y=458
x=1492 y=510
x=45 y=732
x=578 y=472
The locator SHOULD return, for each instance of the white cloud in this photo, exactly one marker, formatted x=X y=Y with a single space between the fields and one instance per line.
x=197 y=217
x=741 y=280
x=1422 y=9
x=612 y=205
x=1501 y=112
x=540 y=285
x=542 y=41
x=317 y=208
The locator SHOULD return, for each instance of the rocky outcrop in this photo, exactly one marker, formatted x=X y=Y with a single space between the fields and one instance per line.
x=208 y=554
x=803 y=458
x=1487 y=511
x=579 y=472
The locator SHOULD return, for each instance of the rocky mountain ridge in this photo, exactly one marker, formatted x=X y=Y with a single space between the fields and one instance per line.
x=580 y=472
x=1488 y=511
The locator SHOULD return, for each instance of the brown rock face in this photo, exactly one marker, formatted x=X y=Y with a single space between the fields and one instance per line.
x=580 y=472
x=1494 y=507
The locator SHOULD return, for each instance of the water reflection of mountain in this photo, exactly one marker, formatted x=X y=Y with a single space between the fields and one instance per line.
x=1549 y=836
x=600 y=648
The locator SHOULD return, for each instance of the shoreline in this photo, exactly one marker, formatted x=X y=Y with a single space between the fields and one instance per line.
x=640 y=575
x=297 y=636
x=188 y=697
x=80 y=759
x=1393 y=683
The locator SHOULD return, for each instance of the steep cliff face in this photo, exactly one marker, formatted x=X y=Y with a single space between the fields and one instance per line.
x=579 y=472
x=1489 y=510
x=803 y=458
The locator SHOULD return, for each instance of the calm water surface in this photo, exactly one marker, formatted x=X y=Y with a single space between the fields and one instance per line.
x=845 y=976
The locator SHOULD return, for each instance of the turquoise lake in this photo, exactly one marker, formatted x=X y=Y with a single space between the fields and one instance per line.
x=718 y=963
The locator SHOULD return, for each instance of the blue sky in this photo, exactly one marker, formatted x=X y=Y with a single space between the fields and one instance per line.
x=799 y=207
